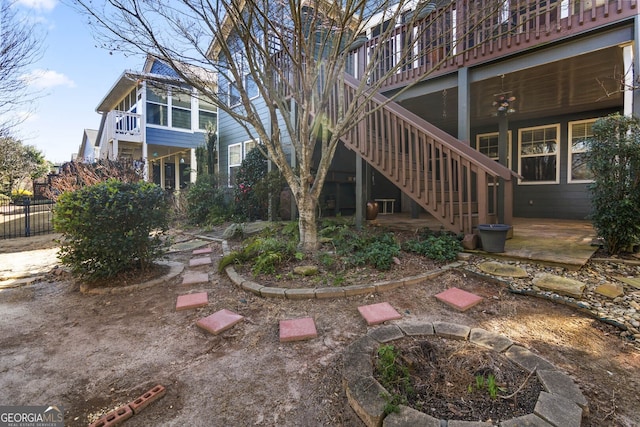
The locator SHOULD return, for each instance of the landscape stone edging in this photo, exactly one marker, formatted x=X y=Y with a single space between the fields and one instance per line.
x=175 y=269
x=363 y=391
x=327 y=292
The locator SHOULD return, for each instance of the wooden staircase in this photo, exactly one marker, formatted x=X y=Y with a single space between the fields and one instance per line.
x=450 y=180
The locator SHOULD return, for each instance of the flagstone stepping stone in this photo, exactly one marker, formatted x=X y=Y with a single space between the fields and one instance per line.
x=297 y=329
x=196 y=262
x=610 y=290
x=202 y=251
x=500 y=269
x=191 y=278
x=459 y=299
x=188 y=245
x=631 y=281
x=375 y=314
x=219 y=321
x=558 y=284
x=188 y=301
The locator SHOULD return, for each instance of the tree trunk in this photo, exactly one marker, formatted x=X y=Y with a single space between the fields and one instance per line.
x=307 y=223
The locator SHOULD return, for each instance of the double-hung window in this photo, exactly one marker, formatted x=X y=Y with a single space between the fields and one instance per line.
x=487 y=144
x=170 y=108
x=206 y=115
x=539 y=152
x=157 y=106
x=180 y=109
x=237 y=153
x=579 y=134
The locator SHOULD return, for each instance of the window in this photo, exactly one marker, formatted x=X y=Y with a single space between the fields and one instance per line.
x=249 y=86
x=206 y=115
x=487 y=144
x=180 y=109
x=237 y=153
x=169 y=108
x=539 y=152
x=157 y=106
x=579 y=133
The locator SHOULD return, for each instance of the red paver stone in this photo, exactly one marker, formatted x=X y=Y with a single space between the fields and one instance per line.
x=191 y=278
x=375 y=314
x=459 y=299
x=297 y=329
x=219 y=321
x=186 y=302
x=196 y=262
x=202 y=251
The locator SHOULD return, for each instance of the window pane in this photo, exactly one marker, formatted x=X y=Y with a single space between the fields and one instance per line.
x=252 y=89
x=539 y=168
x=235 y=155
x=248 y=146
x=156 y=95
x=232 y=174
x=206 y=118
x=157 y=114
x=206 y=105
x=579 y=169
x=181 y=99
x=180 y=118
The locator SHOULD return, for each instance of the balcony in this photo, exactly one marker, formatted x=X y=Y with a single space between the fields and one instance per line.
x=124 y=126
x=464 y=33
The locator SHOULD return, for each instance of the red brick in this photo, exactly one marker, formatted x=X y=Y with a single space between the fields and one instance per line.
x=147 y=399
x=219 y=321
x=114 y=418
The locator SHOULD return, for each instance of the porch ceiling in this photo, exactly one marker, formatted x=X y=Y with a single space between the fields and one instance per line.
x=573 y=85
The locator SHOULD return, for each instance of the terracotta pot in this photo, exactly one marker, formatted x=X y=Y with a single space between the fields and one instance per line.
x=372 y=210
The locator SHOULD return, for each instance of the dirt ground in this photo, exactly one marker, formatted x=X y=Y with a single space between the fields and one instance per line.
x=93 y=353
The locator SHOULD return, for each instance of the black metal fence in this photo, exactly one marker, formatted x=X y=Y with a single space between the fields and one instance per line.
x=25 y=217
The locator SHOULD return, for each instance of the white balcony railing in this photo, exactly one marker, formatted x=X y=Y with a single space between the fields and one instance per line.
x=124 y=126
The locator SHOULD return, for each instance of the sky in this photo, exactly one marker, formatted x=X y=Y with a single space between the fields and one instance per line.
x=71 y=79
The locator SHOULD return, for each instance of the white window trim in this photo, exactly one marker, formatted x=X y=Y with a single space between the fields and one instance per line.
x=571 y=152
x=243 y=154
x=557 y=154
x=170 y=107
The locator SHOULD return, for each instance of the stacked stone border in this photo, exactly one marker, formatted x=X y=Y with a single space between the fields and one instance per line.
x=561 y=404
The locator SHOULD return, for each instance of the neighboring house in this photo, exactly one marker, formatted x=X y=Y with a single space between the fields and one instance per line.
x=566 y=63
x=88 y=150
x=149 y=117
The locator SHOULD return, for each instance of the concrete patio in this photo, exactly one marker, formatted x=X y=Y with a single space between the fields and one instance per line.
x=553 y=241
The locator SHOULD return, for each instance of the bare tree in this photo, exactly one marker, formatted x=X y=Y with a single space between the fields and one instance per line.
x=20 y=47
x=295 y=55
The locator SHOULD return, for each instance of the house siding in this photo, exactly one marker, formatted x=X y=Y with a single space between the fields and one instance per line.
x=173 y=138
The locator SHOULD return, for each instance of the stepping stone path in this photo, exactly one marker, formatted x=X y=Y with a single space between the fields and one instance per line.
x=500 y=269
x=188 y=301
x=197 y=262
x=459 y=299
x=297 y=329
x=219 y=321
x=192 y=278
x=558 y=284
x=631 y=281
x=375 y=314
x=610 y=290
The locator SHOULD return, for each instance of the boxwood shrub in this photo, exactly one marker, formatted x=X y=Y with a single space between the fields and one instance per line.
x=111 y=227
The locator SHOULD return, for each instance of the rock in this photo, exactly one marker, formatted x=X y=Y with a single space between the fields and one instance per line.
x=559 y=284
x=500 y=269
x=306 y=270
x=610 y=290
x=470 y=241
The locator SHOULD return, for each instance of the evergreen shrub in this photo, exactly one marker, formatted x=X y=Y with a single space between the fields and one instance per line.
x=111 y=227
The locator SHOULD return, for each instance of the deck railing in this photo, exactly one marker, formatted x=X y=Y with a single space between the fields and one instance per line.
x=468 y=32
x=124 y=126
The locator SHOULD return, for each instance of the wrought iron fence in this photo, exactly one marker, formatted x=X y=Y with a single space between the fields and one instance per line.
x=26 y=217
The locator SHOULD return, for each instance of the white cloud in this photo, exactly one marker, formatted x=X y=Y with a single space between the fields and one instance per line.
x=44 y=79
x=47 y=5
